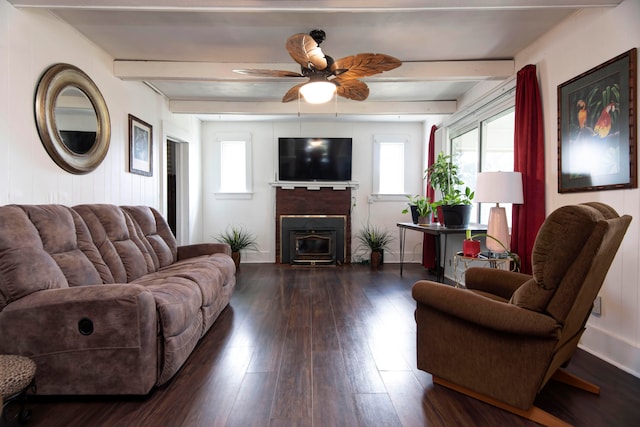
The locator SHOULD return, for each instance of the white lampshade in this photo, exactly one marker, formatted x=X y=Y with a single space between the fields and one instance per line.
x=498 y=187
x=318 y=92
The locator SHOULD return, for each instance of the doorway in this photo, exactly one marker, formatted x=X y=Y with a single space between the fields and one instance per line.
x=177 y=183
x=172 y=187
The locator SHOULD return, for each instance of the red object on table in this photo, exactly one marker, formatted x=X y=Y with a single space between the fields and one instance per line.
x=470 y=248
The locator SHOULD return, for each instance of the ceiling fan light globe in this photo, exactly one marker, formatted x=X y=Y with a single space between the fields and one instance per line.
x=318 y=92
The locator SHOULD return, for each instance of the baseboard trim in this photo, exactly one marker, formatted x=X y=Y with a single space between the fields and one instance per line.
x=613 y=350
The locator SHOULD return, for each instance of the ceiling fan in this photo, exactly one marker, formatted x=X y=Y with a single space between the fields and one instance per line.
x=340 y=76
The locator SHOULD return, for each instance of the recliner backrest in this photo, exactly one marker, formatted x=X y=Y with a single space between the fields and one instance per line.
x=571 y=256
x=116 y=237
x=44 y=247
x=155 y=233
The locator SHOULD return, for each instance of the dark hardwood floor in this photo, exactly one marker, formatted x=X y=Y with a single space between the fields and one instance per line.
x=328 y=347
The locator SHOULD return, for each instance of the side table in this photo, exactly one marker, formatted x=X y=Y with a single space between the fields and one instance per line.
x=484 y=259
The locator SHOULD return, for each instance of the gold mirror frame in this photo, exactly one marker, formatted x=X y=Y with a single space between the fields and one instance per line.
x=53 y=82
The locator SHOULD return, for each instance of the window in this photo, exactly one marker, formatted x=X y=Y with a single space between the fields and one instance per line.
x=234 y=154
x=483 y=142
x=389 y=165
x=233 y=168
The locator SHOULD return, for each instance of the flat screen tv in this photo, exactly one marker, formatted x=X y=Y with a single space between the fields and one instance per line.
x=314 y=159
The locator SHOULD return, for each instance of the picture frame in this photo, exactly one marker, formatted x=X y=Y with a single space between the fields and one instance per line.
x=140 y=147
x=597 y=147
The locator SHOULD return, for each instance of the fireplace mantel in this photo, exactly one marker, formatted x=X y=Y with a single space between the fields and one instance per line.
x=315 y=185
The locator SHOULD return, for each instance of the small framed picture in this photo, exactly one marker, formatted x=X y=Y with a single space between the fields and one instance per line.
x=140 y=147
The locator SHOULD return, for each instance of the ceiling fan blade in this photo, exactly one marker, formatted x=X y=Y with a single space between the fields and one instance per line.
x=364 y=64
x=305 y=50
x=268 y=73
x=293 y=93
x=352 y=89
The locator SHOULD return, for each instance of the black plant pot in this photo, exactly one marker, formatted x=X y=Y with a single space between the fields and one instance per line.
x=456 y=216
x=414 y=213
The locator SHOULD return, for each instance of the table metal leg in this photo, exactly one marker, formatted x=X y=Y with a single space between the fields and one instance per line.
x=402 y=234
x=439 y=271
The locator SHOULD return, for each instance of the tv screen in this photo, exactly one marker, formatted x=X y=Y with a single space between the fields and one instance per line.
x=314 y=159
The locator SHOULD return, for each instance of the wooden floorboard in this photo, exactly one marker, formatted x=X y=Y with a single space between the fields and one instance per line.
x=328 y=346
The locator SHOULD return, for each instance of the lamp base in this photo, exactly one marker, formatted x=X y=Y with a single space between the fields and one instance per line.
x=498 y=229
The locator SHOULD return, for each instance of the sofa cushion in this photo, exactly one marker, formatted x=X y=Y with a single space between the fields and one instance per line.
x=114 y=234
x=66 y=238
x=177 y=299
x=155 y=233
x=213 y=275
x=48 y=236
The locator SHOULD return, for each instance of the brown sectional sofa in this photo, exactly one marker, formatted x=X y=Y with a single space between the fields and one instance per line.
x=102 y=298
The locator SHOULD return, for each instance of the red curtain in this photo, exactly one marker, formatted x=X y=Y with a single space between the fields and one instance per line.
x=529 y=160
x=428 y=241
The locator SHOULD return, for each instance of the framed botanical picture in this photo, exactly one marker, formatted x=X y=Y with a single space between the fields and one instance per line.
x=597 y=148
x=140 y=147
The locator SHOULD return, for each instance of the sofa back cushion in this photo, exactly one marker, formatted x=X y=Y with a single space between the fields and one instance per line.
x=44 y=247
x=115 y=236
x=155 y=233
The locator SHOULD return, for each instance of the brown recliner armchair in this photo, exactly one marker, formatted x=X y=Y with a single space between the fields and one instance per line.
x=501 y=339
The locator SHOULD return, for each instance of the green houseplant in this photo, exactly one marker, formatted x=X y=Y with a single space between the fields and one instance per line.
x=442 y=175
x=238 y=237
x=421 y=209
x=376 y=239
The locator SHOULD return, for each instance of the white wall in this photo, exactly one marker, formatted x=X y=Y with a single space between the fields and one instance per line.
x=258 y=213
x=30 y=42
x=583 y=41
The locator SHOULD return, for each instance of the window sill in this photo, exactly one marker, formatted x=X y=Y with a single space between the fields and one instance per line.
x=234 y=196
x=387 y=198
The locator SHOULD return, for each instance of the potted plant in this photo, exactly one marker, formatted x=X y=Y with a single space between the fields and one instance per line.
x=238 y=238
x=455 y=204
x=470 y=246
x=421 y=209
x=376 y=240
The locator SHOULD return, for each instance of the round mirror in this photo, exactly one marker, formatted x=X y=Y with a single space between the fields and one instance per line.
x=76 y=120
x=72 y=119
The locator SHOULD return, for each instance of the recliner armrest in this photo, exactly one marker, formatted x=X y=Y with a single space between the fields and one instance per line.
x=199 y=249
x=99 y=339
x=471 y=307
x=51 y=321
x=498 y=282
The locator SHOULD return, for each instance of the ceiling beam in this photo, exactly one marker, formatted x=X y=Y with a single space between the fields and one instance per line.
x=341 y=108
x=327 y=6
x=214 y=71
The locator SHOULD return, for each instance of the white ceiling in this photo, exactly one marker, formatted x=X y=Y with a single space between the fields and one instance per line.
x=187 y=49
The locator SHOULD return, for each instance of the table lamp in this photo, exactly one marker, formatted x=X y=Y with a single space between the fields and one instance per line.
x=498 y=187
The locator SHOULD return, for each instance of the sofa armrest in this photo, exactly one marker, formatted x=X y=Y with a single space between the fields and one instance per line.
x=82 y=317
x=485 y=312
x=498 y=282
x=198 y=249
x=99 y=339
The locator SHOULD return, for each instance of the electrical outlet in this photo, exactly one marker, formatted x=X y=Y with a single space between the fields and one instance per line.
x=597 y=306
